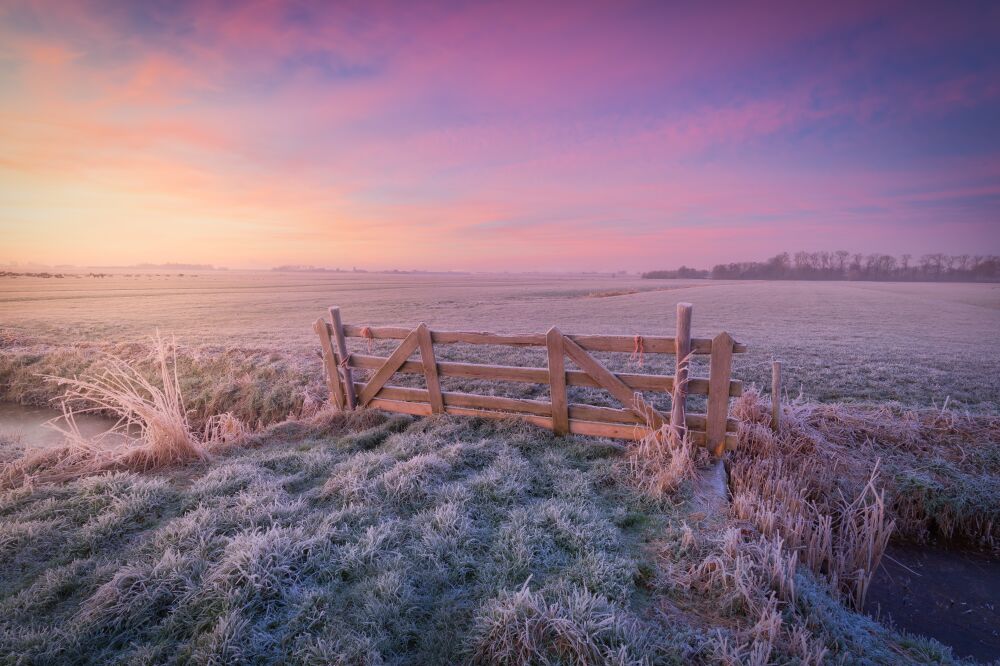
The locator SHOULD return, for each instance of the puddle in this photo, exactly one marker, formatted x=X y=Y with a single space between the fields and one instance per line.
x=23 y=426
x=950 y=595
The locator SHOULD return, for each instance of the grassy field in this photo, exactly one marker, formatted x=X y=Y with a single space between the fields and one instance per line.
x=367 y=538
x=918 y=344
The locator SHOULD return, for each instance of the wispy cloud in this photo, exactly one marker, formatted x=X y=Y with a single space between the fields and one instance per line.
x=626 y=134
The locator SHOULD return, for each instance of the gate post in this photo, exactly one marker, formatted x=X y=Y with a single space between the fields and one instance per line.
x=719 y=372
x=329 y=363
x=678 y=406
x=342 y=357
x=776 y=396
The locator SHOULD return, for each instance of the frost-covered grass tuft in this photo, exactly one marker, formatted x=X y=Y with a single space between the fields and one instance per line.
x=662 y=461
x=573 y=627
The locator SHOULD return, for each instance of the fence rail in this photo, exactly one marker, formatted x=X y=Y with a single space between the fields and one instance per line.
x=598 y=343
x=633 y=420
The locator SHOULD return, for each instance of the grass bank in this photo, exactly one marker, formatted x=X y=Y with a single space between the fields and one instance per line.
x=259 y=386
x=377 y=539
x=939 y=467
x=939 y=470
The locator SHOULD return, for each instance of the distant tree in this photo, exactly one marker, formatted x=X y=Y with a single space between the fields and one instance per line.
x=842 y=261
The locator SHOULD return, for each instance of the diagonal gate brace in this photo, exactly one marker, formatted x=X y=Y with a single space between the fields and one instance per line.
x=616 y=387
x=389 y=368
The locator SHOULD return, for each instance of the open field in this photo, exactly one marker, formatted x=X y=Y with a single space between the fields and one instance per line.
x=913 y=343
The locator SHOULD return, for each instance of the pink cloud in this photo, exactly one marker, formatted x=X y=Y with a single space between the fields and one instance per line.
x=626 y=133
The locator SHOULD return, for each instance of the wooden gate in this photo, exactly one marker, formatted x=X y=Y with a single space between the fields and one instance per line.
x=633 y=420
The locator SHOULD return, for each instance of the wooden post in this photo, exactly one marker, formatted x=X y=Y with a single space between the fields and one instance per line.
x=430 y=369
x=343 y=368
x=330 y=363
x=776 y=396
x=718 y=392
x=557 y=381
x=683 y=341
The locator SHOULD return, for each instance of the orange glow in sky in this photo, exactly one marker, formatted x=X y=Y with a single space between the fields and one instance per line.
x=494 y=136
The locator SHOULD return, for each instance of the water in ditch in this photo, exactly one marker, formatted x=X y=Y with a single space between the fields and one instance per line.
x=24 y=428
x=947 y=594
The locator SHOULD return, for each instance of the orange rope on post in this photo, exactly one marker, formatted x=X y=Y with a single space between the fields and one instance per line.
x=639 y=352
x=366 y=333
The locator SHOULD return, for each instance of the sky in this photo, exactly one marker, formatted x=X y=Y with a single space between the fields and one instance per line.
x=495 y=135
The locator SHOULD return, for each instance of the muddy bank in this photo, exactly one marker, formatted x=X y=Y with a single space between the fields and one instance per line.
x=950 y=595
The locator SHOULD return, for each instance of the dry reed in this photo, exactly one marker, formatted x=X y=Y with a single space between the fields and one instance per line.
x=750 y=579
x=661 y=461
x=152 y=428
x=224 y=431
x=792 y=488
x=665 y=457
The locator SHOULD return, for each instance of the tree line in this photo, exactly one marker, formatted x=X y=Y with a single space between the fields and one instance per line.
x=843 y=265
x=682 y=272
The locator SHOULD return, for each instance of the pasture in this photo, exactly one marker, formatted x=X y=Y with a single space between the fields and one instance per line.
x=915 y=343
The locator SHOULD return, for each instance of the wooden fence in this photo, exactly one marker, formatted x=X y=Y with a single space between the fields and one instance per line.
x=714 y=429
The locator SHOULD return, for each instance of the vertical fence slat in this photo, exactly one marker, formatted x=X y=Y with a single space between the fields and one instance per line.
x=430 y=368
x=330 y=363
x=557 y=381
x=343 y=369
x=678 y=408
x=776 y=396
x=720 y=369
